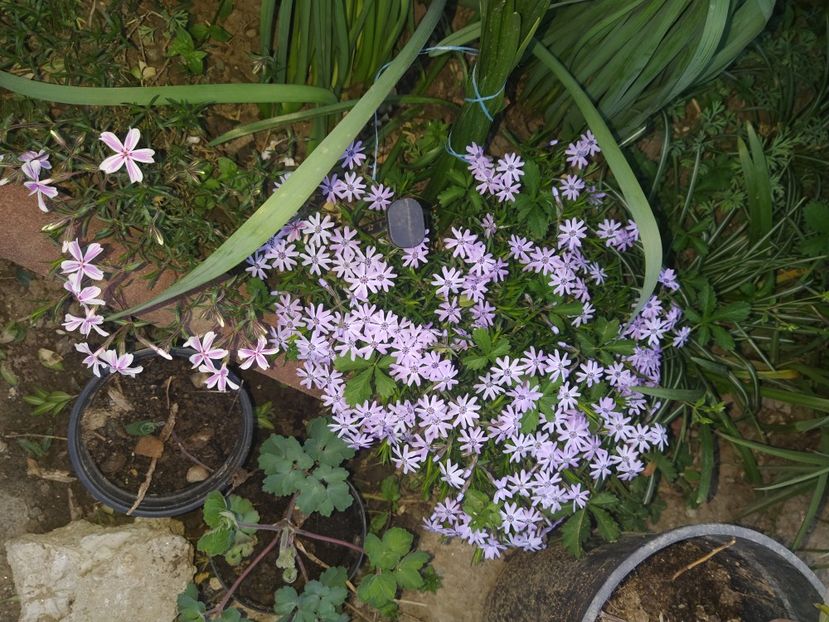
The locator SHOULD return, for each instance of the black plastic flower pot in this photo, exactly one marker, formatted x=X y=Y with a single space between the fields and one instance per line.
x=154 y=505
x=551 y=586
x=316 y=523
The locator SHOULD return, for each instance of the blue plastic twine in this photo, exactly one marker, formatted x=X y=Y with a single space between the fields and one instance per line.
x=480 y=99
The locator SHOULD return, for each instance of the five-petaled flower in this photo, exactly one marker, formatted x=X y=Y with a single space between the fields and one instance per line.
x=257 y=354
x=218 y=378
x=81 y=261
x=126 y=154
x=205 y=351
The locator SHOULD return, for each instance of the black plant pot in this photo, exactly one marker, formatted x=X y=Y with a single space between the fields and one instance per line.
x=222 y=571
x=153 y=505
x=552 y=586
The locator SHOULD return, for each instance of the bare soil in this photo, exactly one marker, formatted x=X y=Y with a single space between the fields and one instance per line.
x=206 y=430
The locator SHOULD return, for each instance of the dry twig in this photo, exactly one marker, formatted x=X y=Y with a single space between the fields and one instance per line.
x=148 y=478
x=703 y=559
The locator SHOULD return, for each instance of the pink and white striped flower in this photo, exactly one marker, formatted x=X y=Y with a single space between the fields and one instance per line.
x=125 y=154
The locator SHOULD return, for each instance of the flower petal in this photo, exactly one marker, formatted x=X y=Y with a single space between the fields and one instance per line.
x=92 y=251
x=111 y=141
x=112 y=164
x=143 y=155
x=133 y=136
x=135 y=173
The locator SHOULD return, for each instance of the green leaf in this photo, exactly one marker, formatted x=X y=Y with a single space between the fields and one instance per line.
x=358 y=388
x=345 y=364
x=407 y=573
x=166 y=95
x=214 y=505
x=335 y=576
x=190 y=609
x=604 y=499
x=734 y=312
x=296 y=190
x=482 y=339
x=635 y=199
x=140 y=428
x=324 y=446
x=286 y=601
x=390 y=489
x=385 y=386
x=574 y=533
x=607 y=526
x=182 y=44
x=386 y=553
x=216 y=541
x=377 y=590
x=475 y=362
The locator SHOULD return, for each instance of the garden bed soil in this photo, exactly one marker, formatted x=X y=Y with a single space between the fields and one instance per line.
x=721 y=589
x=257 y=590
x=207 y=426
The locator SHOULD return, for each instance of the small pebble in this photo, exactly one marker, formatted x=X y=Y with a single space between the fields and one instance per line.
x=197 y=473
x=250 y=33
x=215 y=584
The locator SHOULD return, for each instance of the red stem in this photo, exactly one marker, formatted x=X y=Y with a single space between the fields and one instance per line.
x=315 y=536
x=229 y=594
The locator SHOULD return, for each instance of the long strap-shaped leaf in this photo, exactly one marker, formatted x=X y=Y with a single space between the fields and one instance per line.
x=292 y=194
x=164 y=95
x=637 y=202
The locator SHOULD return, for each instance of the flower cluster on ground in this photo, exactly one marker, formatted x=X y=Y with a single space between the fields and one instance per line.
x=498 y=360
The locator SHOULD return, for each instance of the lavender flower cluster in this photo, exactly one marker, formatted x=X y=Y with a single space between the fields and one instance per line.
x=528 y=428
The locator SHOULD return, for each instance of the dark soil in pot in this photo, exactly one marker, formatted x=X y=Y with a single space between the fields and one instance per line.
x=206 y=427
x=257 y=589
x=720 y=589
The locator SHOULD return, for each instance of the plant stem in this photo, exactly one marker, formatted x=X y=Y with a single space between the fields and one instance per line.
x=315 y=536
x=229 y=594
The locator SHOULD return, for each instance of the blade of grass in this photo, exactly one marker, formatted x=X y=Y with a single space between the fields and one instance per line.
x=796 y=480
x=758 y=185
x=683 y=395
x=777 y=452
x=798 y=399
x=163 y=95
x=286 y=201
x=635 y=198
x=267 y=11
x=707 y=462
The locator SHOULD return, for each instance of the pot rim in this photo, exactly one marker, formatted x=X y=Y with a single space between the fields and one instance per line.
x=153 y=506
x=655 y=544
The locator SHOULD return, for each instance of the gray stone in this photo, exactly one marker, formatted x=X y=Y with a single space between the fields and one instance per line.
x=87 y=573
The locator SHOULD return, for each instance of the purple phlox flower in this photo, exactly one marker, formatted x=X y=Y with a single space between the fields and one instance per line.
x=512 y=518
x=453 y=474
x=487 y=387
x=600 y=466
x=352 y=188
x=121 y=364
x=353 y=156
x=87 y=296
x=524 y=396
x=316 y=258
x=571 y=187
x=627 y=462
x=508 y=190
x=576 y=155
x=594 y=196
x=571 y=233
x=658 y=436
x=449 y=311
x=379 y=198
x=558 y=366
x=681 y=337
x=315 y=347
x=283 y=255
x=33 y=162
x=448 y=282
x=489 y=182
x=507 y=371
x=42 y=189
x=510 y=167
x=205 y=352
x=578 y=495
x=256 y=354
x=318 y=318
x=406 y=458
x=126 y=154
x=317 y=228
x=489 y=226
x=668 y=278
x=93 y=359
x=472 y=440
x=534 y=361
x=257 y=264
x=465 y=410
x=492 y=548
x=474 y=152
x=81 y=261
x=568 y=396
x=85 y=324
x=518 y=447
x=219 y=378
x=519 y=248
x=331 y=187
x=460 y=242
x=416 y=256
x=589 y=373
x=589 y=143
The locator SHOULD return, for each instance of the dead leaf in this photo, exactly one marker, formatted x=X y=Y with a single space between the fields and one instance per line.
x=149 y=446
x=54 y=475
x=75 y=510
x=119 y=402
x=50 y=359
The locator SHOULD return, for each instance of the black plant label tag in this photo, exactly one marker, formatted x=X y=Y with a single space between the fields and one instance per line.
x=407 y=227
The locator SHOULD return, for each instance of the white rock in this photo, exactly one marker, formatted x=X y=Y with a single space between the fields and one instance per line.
x=86 y=573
